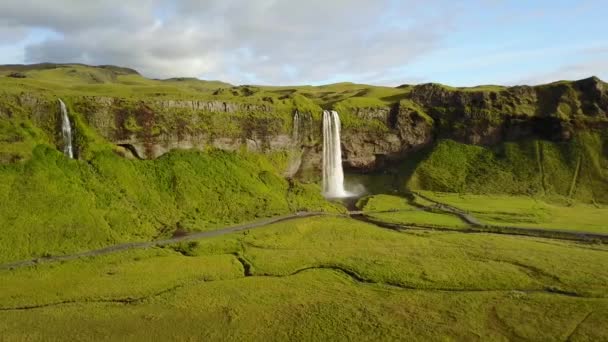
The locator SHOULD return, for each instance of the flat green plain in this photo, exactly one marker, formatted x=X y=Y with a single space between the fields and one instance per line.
x=529 y=212
x=318 y=278
x=395 y=209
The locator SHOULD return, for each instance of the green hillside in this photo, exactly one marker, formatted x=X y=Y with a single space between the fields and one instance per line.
x=76 y=79
x=577 y=169
x=52 y=205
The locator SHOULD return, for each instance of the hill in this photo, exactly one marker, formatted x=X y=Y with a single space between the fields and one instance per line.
x=546 y=141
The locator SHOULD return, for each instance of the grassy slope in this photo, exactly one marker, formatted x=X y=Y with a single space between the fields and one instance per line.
x=539 y=168
x=83 y=80
x=53 y=205
x=444 y=285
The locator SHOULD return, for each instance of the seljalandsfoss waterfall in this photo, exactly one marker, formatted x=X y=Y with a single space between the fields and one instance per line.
x=333 y=175
x=66 y=131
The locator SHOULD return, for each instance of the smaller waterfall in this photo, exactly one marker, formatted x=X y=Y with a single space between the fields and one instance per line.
x=296 y=154
x=296 y=128
x=66 y=131
x=333 y=175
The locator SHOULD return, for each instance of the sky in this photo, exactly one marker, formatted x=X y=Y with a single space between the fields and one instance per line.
x=282 y=42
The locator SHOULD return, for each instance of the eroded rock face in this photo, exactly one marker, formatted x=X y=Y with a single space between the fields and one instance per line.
x=362 y=150
x=407 y=130
x=154 y=128
x=484 y=116
x=370 y=148
x=493 y=114
x=414 y=130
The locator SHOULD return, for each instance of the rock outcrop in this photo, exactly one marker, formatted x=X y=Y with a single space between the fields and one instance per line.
x=371 y=136
x=488 y=116
x=406 y=130
x=153 y=128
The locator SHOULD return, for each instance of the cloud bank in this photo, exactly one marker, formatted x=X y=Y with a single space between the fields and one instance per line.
x=265 y=41
x=296 y=42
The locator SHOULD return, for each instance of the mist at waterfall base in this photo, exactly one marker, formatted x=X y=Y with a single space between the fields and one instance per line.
x=333 y=173
x=66 y=131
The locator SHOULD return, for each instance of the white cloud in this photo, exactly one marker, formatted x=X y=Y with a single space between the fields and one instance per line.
x=295 y=42
x=267 y=41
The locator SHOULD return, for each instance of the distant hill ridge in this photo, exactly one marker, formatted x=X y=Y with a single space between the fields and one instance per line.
x=119 y=70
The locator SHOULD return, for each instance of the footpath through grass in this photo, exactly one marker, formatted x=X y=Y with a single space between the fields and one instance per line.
x=395 y=209
x=318 y=278
x=496 y=210
x=528 y=212
x=52 y=205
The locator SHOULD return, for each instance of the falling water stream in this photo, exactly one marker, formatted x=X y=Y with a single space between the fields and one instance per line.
x=296 y=128
x=333 y=175
x=66 y=131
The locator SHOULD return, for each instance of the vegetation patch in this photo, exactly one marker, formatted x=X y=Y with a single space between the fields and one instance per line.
x=53 y=205
x=395 y=209
x=529 y=212
x=574 y=169
x=327 y=278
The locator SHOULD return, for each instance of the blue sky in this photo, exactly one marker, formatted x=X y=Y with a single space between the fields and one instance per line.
x=521 y=41
x=315 y=42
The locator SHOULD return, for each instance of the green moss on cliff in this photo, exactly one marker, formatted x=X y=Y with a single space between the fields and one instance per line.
x=18 y=135
x=411 y=105
x=305 y=105
x=351 y=114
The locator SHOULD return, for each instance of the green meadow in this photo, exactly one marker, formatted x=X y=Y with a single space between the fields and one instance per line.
x=395 y=209
x=318 y=278
x=529 y=212
x=52 y=205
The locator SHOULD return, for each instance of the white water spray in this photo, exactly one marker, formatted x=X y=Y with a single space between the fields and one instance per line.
x=66 y=131
x=333 y=175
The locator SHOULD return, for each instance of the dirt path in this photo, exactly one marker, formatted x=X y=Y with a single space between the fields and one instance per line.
x=453 y=210
x=531 y=232
x=134 y=245
x=552 y=233
x=357 y=215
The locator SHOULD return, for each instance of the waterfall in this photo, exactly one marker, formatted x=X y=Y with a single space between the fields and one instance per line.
x=296 y=154
x=333 y=175
x=296 y=128
x=66 y=131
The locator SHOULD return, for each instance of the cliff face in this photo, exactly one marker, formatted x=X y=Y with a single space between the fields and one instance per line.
x=406 y=130
x=552 y=112
x=485 y=117
x=380 y=125
x=149 y=129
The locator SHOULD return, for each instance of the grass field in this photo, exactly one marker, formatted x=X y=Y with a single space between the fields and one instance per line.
x=318 y=278
x=69 y=80
x=523 y=211
x=52 y=205
x=574 y=170
x=395 y=209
